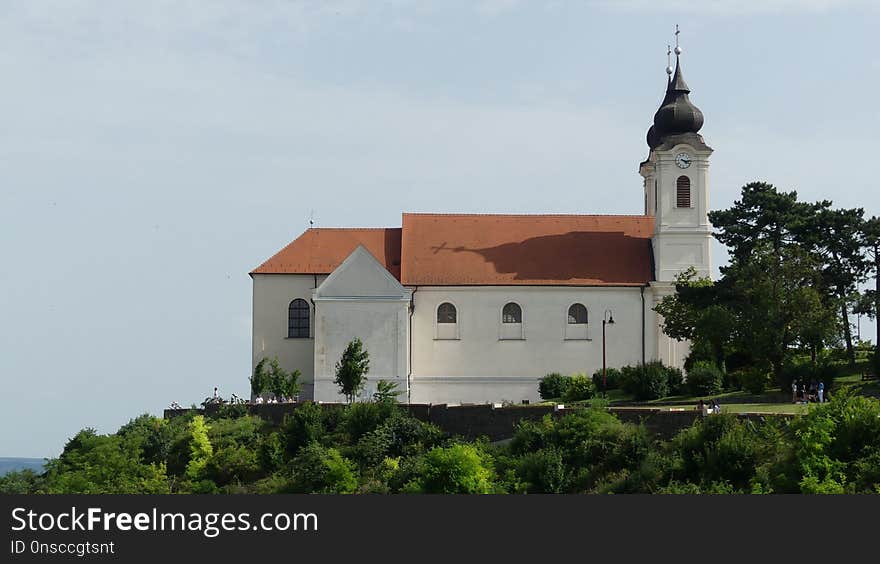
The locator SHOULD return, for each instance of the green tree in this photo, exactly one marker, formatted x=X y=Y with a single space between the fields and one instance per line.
x=283 y=383
x=456 y=469
x=200 y=448
x=870 y=303
x=697 y=312
x=260 y=378
x=351 y=370
x=386 y=390
x=322 y=470
x=104 y=464
x=835 y=235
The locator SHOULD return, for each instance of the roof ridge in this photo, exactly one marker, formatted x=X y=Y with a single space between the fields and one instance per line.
x=426 y=214
x=348 y=229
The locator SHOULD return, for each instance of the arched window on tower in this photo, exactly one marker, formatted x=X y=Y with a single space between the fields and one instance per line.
x=683 y=192
x=298 y=319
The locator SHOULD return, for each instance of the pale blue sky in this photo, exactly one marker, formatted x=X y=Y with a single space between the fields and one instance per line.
x=153 y=153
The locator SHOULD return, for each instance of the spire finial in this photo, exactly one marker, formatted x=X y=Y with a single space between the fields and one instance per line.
x=669 y=61
x=677 y=47
x=311 y=219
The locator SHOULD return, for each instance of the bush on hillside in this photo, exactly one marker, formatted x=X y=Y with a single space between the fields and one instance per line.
x=753 y=379
x=553 y=386
x=580 y=388
x=705 y=379
x=612 y=379
x=645 y=381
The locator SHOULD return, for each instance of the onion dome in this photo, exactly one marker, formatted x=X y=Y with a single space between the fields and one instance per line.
x=677 y=114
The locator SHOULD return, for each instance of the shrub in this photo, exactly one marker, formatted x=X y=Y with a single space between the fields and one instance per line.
x=362 y=417
x=754 y=379
x=612 y=379
x=674 y=380
x=305 y=425
x=705 y=379
x=541 y=471
x=322 y=470
x=645 y=381
x=553 y=386
x=456 y=469
x=580 y=387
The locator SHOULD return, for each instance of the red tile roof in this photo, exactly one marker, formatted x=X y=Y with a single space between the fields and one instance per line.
x=569 y=250
x=486 y=250
x=320 y=250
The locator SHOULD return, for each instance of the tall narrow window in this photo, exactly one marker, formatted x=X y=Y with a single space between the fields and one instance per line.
x=446 y=313
x=298 y=319
x=511 y=313
x=577 y=314
x=683 y=192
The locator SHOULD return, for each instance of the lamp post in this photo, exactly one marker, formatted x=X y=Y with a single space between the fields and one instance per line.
x=607 y=319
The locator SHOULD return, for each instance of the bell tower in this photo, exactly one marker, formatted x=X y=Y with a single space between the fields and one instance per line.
x=676 y=182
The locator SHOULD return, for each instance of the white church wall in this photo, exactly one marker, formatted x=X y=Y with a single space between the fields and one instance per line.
x=382 y=327
x=483 y=365
x=272 y=294
x=361 y=300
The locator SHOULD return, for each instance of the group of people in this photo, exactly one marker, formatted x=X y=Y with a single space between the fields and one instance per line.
x=283 y=399
x=801 y=393
x=707 y=408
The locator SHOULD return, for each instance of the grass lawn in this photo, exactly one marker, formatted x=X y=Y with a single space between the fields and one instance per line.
x=764 y=408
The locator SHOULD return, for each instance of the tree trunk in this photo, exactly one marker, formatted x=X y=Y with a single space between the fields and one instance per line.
x=847 y=332
x=877 y=307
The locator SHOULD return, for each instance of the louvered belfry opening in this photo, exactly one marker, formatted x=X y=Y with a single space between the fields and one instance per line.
x=683 y=192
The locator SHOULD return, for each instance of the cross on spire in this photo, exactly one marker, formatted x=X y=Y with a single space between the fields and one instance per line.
x=677 y=47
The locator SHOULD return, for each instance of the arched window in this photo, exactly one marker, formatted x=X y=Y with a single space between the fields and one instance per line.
x=683 y=192
x=511 y=313
x=446 y=313
x=298 y=319
x=577 y=314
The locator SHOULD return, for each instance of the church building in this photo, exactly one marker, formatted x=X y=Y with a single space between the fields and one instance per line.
x=475 y=308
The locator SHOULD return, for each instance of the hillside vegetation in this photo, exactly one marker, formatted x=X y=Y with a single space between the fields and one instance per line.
x=377 y=448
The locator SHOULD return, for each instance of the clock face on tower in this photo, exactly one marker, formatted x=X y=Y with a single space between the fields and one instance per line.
x=683 y=160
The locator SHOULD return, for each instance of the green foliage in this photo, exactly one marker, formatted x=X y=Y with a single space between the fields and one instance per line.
x=645 y=381
x=269 y=377
x=705 y=379
x=611 y=381
x=96 y=464
x=379 y=448
x=580 y=387
x=361 y=418
x=552 y=386
x=260 y=378
x=351 y=370
x=317 y=469
x=541 y=471
x=302 y=427
x=21 y=482
x=753 y=379
x=674 y=380
x=200 y=449
x=456 y=469
x=397 y=436
x=386 y=391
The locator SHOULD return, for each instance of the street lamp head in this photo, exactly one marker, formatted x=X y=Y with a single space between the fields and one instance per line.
x=611 y=320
